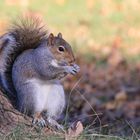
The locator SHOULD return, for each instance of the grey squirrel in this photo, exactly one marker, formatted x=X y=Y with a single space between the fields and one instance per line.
x=32 y=63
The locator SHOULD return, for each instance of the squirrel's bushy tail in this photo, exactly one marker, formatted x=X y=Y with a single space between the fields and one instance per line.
x=26 y=33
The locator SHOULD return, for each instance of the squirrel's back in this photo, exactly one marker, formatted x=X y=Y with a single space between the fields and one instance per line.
x=26 y=33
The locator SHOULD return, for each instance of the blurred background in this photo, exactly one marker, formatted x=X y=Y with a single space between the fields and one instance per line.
x=105 y=36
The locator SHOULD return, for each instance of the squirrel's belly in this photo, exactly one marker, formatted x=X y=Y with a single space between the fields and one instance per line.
x=48 y=97
x=56 y=101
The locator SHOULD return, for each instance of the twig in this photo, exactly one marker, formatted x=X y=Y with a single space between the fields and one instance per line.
x=90 y=107
x=70 y=96
x=134 y=132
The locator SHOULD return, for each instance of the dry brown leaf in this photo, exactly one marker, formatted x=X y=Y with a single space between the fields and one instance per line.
x=121 y=96
x=110 y=105
x=74 y=131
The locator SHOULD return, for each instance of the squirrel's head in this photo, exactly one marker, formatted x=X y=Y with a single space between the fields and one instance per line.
x=60 y=48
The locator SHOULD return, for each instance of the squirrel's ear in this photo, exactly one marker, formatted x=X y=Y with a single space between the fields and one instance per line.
x=59 y=35
x=51 y=39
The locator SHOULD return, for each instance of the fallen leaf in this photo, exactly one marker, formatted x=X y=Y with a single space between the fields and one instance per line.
x=74 y=131
x=121 y=96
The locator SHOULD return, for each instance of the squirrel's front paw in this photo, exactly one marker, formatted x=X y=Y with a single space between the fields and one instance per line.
x=77 y=68
x=71 y=70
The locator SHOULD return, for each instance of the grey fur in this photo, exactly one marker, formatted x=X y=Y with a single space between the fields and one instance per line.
x=29 y=68
x=34 y=63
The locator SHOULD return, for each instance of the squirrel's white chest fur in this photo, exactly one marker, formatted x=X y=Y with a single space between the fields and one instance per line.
x=48 y=97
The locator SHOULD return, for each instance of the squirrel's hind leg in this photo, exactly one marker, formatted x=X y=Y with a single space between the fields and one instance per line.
x=41 y=122
x=38 y=120
x=54 y=124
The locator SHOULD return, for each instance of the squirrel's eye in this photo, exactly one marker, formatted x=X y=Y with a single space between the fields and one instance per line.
x=61 y=49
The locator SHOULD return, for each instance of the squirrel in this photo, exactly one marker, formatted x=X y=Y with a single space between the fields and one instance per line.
x=32 y=64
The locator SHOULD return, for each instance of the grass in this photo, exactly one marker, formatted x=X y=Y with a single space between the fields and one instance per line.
x=100 y=23
x=20 y=133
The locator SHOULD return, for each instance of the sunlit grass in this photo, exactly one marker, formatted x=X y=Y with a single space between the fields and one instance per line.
x=67 y=16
